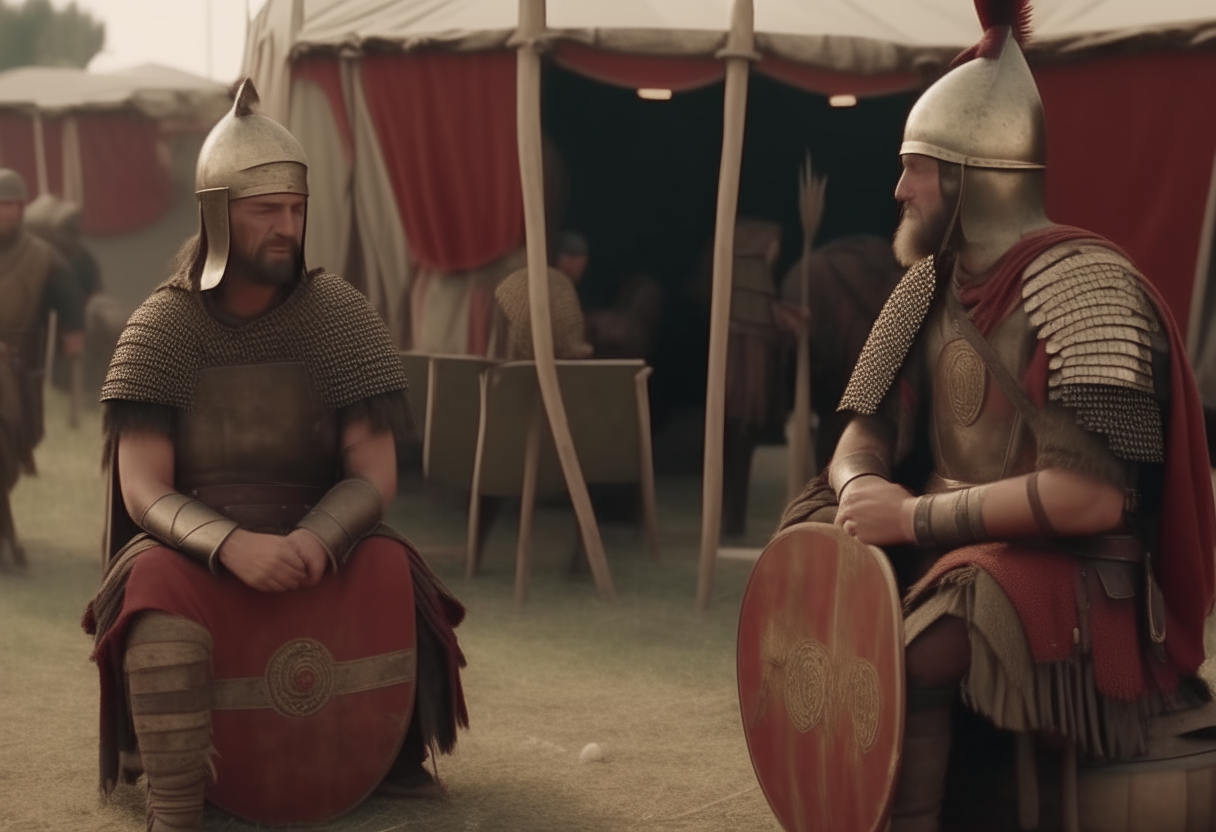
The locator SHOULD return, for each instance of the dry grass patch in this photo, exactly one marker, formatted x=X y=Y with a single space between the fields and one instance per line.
x=644 y=675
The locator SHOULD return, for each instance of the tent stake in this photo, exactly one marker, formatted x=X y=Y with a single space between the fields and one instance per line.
x=738 y=52
x=528 y=78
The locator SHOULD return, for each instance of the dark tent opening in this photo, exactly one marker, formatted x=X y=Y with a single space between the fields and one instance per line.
x=640 y=182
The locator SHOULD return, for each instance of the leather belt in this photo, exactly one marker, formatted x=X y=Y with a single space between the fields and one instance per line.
x=266 y=508
x=1124 y=548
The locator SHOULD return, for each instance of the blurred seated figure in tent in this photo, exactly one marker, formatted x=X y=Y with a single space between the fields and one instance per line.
x=760 y=325
x=264 y=641
x=848 y=281
x=34 y=281
x=571 y=255
x=566 y=316
x=628 y=326
x=57 y=221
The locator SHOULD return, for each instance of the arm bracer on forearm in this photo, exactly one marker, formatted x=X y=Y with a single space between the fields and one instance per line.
x=187 y=525
x=863 y=464
x=953 y=518
x=347 y=512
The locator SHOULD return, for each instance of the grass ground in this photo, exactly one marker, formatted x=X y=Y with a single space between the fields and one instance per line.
x=644 y=675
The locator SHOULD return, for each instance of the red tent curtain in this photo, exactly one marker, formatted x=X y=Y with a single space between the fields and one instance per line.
x=126 y=183
x=677 y=74
x=446 y=124
x=327 y=74
x=1129 y=153
x=17 y=150
x=17 y=147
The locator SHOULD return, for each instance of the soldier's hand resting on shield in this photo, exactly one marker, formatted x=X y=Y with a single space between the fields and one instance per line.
x=877 y=512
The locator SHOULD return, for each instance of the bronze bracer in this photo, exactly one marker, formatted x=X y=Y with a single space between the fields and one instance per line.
x=187 y=525
x=846 y=469
x=953 y=518
x=346 y=513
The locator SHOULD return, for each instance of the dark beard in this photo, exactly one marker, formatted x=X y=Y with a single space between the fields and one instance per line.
x=919 y=237
x=266 y=271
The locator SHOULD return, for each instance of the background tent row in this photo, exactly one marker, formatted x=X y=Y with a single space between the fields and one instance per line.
x=99 y=139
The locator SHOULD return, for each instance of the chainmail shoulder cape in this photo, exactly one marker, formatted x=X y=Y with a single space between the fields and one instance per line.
x=1087 y=304
x=325 y=323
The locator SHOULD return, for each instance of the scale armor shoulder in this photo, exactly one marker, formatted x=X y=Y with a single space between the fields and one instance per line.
x=1087 y=304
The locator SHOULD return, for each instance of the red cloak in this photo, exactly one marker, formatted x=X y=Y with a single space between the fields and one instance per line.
x=1043 y=585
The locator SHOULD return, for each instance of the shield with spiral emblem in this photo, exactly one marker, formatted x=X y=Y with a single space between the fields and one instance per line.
x=314 y=690
x=821 y=679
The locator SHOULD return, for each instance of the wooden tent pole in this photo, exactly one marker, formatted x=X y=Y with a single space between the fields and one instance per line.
x=527 y=119
x=1203 y=268
x=738 y=53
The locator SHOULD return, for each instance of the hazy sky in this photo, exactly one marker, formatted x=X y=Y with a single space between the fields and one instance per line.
x=172 y=32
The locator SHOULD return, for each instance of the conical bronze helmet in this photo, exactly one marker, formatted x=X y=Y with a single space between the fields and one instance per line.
x=985 y=116
x=245 y=154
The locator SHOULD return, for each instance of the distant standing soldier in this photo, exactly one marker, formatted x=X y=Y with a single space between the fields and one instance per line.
x=34 y=280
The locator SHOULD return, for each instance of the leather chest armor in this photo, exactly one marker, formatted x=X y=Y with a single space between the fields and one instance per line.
x=977 y=434
x=258 y=444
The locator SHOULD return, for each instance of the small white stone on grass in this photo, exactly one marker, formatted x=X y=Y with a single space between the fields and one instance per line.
x=592 y=753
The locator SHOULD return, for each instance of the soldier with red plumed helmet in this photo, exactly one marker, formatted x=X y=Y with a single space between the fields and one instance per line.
x=1052 y=515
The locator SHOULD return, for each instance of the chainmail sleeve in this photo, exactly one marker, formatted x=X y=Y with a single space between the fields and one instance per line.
x=891 y=339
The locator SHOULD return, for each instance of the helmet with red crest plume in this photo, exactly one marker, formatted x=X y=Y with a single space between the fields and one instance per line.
x=984 y=120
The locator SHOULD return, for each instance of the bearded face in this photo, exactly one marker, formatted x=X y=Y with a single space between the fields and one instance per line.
x=267 y=236
x=921 y=232
x=924 y=212
x=275 y=262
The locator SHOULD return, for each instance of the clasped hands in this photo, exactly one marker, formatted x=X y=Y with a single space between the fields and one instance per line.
x=877 y=512
x=275 y=563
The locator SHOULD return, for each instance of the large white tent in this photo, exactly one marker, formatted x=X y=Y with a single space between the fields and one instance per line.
x=371 y=87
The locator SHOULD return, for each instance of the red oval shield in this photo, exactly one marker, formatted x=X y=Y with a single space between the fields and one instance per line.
x=821 y=679
x=315 y=691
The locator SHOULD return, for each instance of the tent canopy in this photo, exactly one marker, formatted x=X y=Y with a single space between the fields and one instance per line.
x=159 y=92
x=97 y=138
x=843 y=35
x=1119 y=80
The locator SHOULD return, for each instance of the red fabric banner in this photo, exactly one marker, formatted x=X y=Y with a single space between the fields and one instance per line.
x=1130 y=149
x=446 y=124
x=621 y=70
x=17 y=147
x=126 y=184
